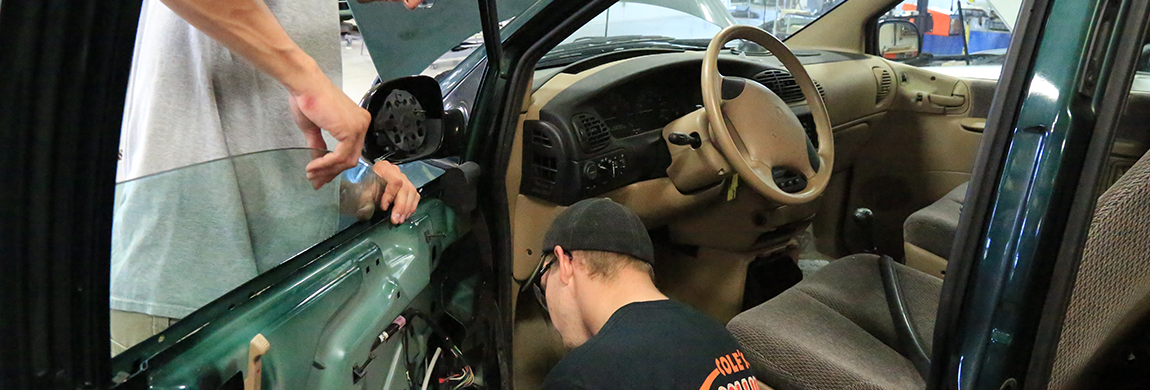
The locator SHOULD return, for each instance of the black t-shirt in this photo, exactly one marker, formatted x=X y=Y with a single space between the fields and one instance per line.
x=656 y=345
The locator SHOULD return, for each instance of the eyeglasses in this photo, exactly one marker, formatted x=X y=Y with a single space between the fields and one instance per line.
x=536 y=279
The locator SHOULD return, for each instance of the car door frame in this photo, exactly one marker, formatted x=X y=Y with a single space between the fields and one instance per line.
x=492 y=130
x=1024 y=355
x=66 y=67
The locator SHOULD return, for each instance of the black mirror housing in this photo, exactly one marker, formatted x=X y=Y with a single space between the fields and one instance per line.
x=407 y=119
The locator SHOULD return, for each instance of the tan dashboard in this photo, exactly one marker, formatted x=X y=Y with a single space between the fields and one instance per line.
x=854 y=95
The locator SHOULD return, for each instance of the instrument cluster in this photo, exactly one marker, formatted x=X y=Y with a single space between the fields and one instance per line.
x=642 y=105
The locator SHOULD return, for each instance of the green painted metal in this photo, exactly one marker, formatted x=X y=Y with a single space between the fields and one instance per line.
x=1008 y=282
x=325 y=314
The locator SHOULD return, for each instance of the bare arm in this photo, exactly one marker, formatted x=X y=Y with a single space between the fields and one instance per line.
x=248 y=28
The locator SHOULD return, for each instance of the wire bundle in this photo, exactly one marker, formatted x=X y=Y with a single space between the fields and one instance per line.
x=465 y=377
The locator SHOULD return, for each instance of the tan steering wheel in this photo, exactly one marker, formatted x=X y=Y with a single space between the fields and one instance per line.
x=756 y=131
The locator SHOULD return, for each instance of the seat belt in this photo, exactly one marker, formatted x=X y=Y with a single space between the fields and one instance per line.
x=909 y=344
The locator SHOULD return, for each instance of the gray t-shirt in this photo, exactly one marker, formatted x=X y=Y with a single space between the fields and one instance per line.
x=179 y=244
x=192 y=100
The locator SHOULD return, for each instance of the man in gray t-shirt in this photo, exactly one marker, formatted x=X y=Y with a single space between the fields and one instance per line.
x=213 y=79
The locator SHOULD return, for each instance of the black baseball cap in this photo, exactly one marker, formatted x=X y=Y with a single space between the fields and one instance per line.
x=600 y=224
x=597 y=224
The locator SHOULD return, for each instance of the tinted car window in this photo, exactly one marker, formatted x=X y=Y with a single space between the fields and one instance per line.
x=184 y=237
x=959 y=38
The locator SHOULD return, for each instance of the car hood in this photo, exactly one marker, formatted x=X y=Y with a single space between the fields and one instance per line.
x=403 y=42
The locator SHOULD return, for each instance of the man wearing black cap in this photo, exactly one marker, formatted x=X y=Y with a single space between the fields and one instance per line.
x=596 y=282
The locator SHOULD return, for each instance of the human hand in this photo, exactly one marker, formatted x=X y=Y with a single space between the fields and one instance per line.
x=359 y=198
x=399 y=192
x=410 y=4
x=319 y=104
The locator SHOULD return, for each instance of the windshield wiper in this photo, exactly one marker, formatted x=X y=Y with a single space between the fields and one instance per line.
x=615 y=39
x=591 y=46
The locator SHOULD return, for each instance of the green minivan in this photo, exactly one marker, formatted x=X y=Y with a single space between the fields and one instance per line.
x=860 y=212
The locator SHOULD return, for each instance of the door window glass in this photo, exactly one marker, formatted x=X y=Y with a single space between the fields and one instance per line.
x=1142 y=76
x=963 y=38
x=187 y=236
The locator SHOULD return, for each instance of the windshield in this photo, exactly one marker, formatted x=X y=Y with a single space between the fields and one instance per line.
x=184 y=237
x=681 y=24
x=435 y=39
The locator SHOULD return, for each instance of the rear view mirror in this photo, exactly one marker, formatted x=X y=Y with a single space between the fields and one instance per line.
x=899 y=40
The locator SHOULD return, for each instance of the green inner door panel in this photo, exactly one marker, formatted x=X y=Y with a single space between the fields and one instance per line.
x=321 y=319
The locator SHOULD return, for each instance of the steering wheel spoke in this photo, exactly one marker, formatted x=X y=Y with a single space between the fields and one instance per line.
x=761 y=168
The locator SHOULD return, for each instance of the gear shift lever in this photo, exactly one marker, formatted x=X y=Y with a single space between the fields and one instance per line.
x=864 y=218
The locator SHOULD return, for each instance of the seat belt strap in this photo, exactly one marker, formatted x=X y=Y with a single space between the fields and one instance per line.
x=909 y=344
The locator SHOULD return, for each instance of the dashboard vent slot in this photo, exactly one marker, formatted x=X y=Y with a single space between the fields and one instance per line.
x=538 y=137
x=593 y=132
x=546 y=172
x=782 y=83
x=822 y=92
x=882 y=77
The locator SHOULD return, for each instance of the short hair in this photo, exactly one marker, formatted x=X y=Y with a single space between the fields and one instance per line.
x=606 y=265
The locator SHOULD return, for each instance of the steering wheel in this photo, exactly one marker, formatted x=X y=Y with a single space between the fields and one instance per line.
x=756 y=132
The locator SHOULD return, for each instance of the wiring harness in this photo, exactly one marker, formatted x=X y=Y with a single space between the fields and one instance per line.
x=462 y=377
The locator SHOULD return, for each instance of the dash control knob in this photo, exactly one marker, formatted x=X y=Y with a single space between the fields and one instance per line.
x=591 y=171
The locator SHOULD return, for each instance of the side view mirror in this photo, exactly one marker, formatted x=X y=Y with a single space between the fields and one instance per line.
x=899 y=40
x=407 y=119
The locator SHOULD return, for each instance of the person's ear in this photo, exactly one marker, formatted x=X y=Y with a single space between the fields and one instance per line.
x=566 y=266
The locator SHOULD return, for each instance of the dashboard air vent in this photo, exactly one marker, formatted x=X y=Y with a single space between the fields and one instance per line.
x=538 y=137
x=782 y=83
x=822 y=92
x=593 y=132
x=883 y=79
x=546 y=170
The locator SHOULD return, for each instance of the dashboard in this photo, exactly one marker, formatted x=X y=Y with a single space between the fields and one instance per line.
x=644 y=105
x=604 y=131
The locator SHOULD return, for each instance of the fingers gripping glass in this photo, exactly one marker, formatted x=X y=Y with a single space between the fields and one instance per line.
x=535 y=282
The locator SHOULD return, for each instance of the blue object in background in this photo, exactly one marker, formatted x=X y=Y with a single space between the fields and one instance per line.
x=952 y=45
x=942 y=45
x=988 y=40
